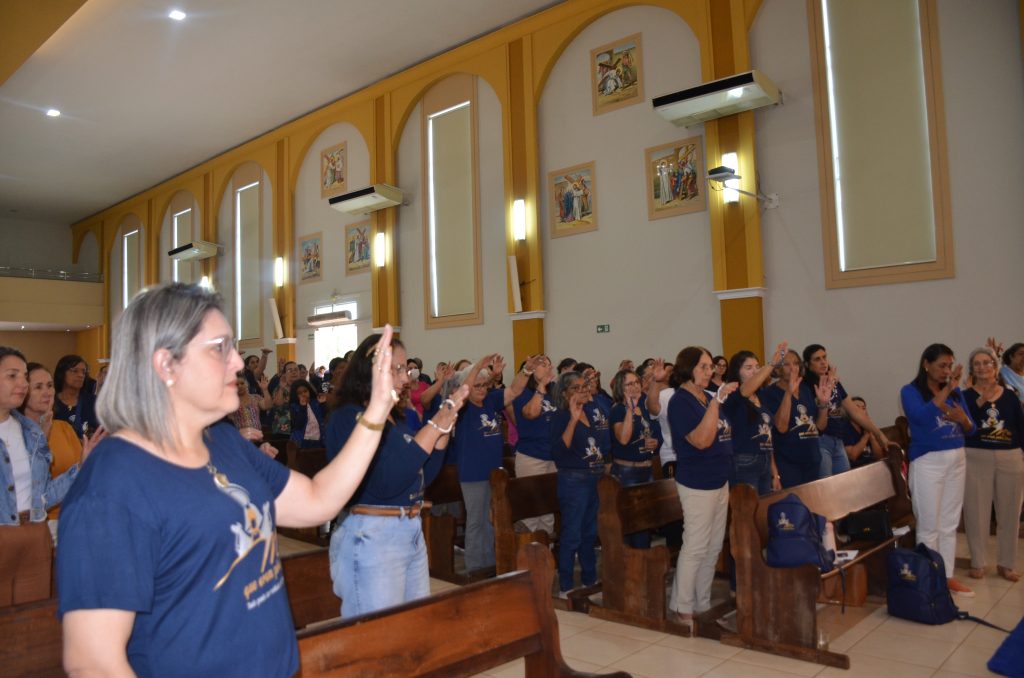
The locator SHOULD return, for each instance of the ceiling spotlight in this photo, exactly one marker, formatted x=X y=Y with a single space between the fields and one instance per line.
x=177 y=15
x=22 y=327
x=53 y=113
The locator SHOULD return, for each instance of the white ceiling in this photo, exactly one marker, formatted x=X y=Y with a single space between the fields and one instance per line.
x=144 y=97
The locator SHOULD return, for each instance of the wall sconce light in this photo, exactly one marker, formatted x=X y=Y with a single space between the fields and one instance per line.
x=279 y=272
x=380 y=250
x=519 y=219
x=729 y=192
x=204 y=282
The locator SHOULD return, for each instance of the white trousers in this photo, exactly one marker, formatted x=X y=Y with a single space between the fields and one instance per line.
x=999 y=475
x=704 y=515
x=937 y=493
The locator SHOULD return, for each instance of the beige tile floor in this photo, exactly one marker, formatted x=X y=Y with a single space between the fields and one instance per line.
x=879 y=646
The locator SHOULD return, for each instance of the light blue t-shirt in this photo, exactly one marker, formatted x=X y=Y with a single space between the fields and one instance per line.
x=1013 y=380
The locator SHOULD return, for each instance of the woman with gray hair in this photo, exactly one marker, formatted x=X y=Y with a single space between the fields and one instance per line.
x=168 y=548
x=995 y=469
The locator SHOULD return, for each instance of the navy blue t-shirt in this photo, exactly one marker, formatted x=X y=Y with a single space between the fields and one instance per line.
x=998 y=425
x=590 y=444
x=642 y=427
x=479 y=442
x=798 y=445
x=751 y=426
x=851 y=436
x=400 y=469
x=534 y=439
x=84 y=412
x=196 y=562
x=706 y=469
x=836 y=420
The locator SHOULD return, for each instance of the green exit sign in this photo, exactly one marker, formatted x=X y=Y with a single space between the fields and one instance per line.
x=604 y=329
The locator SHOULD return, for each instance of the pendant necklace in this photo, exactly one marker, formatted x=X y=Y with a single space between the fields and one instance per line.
x=219 y=479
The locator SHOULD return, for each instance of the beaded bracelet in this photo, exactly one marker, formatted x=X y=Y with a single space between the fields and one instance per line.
x=369 y=424
x=442 y=431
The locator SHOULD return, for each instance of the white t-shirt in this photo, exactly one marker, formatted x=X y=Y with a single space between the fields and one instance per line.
x=10 y=433
x=667 y=453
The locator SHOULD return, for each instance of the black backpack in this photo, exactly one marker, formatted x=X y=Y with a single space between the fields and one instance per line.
x=795 y=536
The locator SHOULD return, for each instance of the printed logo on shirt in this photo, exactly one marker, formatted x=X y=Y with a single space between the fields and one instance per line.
x=256 y=528
x=489 y=427
x=764 y=429
x=803 y=419
x=598 y=419
x=834 y=409
x=993 y=429
x=546 y=407
x=724 y=430
x=593 y=451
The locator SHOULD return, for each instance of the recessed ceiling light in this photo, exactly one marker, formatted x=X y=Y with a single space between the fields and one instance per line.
x=22 y=327
x=88 y=326
x=53 y=113
x=177 y=15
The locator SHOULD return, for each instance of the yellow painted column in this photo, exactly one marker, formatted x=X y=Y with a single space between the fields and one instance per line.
x=383 y=168
x=522 y=183
x=735 y=227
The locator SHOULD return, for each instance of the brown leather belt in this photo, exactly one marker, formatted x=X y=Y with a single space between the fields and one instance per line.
x=632 y=464
x=391 y=511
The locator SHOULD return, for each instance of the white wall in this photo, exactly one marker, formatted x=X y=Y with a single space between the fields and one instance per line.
x=876 y=334
x=495 y=334
x=650 y=280
x=40 y=244
x=312 y=214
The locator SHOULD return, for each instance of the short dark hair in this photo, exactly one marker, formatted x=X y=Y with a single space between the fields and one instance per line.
x=566 y=363
x=334 y=363
x=10 y=350
x=686 y=362
x=932 y=353
x=1010 y=352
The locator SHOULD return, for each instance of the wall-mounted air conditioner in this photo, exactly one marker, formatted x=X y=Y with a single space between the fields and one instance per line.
x=193 y=251
x=718 y=98
x=368 y=199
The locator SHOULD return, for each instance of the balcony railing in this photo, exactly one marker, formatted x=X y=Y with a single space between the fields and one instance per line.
x=48 y=274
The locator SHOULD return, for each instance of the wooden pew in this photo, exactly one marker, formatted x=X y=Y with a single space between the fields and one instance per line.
x=514 y=499
x=460 y=632
x=308 y=462
x=776 y=607
x=633 y=580
x=31 y=633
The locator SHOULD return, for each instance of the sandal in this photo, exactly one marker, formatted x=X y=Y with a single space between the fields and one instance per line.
x=1007 y=574
x=976 y=573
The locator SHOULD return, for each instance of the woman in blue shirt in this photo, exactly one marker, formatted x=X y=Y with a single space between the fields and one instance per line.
x=938 y=418
x=378 y=555
x=799 y=413
x=995 y=468
x=1012 y=370
x=579 y=444
x=478 y=448
x=533 y=409
x=702 y=439
x=306 y=415
x=753 y=455
x=633 y=441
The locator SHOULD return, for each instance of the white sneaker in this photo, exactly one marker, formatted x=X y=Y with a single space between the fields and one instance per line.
x=564 y=595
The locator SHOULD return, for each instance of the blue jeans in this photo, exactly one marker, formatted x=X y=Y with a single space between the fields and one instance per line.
x=833 y=456
x=752 y=469
x=378 y=562
x=577 y=502
x=634 y=475
x=479 y=529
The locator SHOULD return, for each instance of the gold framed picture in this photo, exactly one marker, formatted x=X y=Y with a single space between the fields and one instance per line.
x=675 y=178
x=311 y=249
x=616 y=74
x=573 y=201
x=357 y=248
x=334 y=170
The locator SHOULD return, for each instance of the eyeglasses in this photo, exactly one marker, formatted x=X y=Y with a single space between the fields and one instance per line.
x=984 y=363
x=706 y=368
x=222 y=347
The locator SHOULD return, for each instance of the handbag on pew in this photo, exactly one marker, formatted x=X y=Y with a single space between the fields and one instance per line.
x=869 y=525
x=918 y=590
x=796 y=536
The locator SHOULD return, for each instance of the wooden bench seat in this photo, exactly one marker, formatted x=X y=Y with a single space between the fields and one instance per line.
x=516 y=499
x=308 y=462
x=441 y=532
x=633 y=580
x=776 y=607
x=460 y=632
x=32 y=639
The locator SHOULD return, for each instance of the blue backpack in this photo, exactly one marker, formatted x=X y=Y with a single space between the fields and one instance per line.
x=795 y=536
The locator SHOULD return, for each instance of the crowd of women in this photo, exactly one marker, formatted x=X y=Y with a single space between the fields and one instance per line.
x=168 y=553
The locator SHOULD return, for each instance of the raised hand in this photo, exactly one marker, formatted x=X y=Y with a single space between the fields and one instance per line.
x=659 y=370
x=576 y=403
x=383 y=395
x=89 y=442
x=780 y=352
x=996 y=346
x=264 y=383
x=497 y=364
x=954 y=378
x=533 y=363
x=794 y=383
x=725 y=390
x=823 y=390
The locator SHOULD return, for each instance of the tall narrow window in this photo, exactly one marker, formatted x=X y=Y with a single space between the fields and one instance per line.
x=131 y=279
x=247 y=261
x=181 y=233
x=452 y=276
x=881 y=137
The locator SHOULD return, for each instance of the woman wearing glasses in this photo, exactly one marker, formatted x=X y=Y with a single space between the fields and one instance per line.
x=719 y=367
x=168 y=556
x=633 y=440
x=995 y=468
x=74 y=403
x=799 y=414
x=378 y=554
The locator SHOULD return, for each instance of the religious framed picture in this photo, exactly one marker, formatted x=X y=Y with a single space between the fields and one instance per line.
x=616 y=74
x=357 y=248
x=333 y=170
x=311 y=249
x=675 y=178
x=573 y=201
